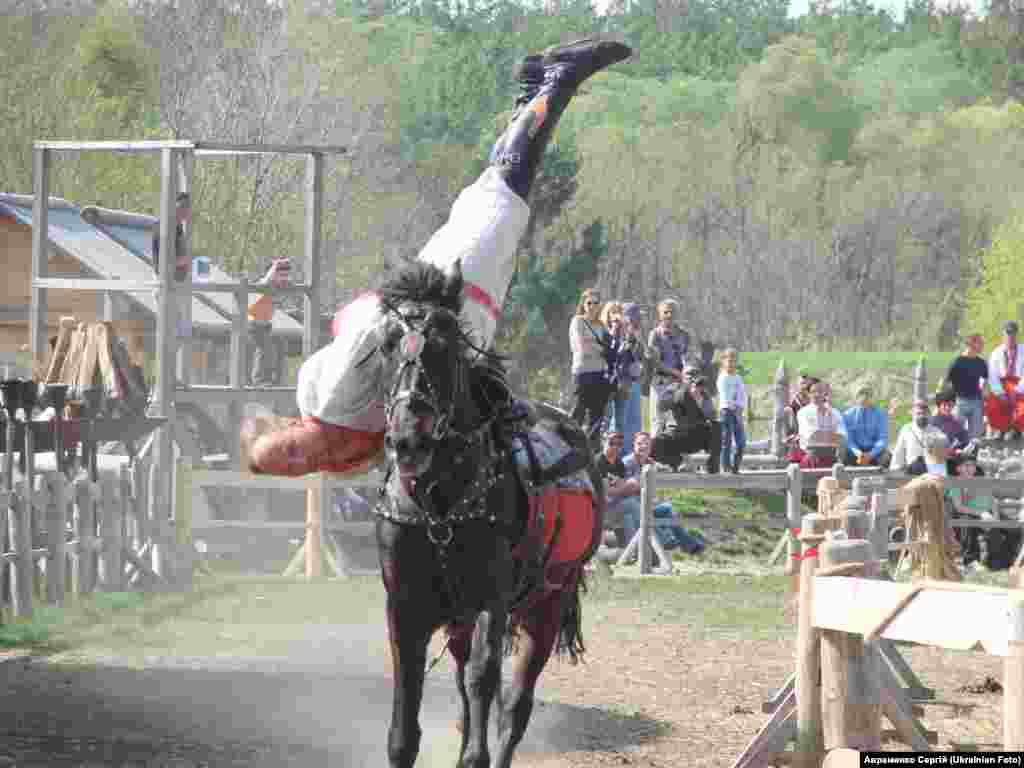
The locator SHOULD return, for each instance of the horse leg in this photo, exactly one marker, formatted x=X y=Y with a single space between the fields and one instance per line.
x=459 y=643
x=537 y=635
x=484 y=673
x=410 y=634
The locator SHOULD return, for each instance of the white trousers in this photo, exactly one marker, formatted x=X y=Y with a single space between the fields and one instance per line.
x=483 y=230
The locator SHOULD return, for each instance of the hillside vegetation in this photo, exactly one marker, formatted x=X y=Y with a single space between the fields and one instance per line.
x=842 y=180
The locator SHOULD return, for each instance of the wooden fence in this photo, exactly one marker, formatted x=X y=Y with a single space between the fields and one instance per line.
x=794 y=482
x=319 y=548
x=62 y=536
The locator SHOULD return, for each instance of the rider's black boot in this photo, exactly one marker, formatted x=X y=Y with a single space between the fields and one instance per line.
x=549 y=81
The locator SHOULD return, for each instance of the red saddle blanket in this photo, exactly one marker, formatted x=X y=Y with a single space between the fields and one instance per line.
x=574 y=507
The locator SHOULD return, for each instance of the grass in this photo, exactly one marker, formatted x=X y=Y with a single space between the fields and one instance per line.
x=761 y=366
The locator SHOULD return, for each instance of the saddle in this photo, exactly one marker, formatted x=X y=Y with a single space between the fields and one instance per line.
x=551 y=457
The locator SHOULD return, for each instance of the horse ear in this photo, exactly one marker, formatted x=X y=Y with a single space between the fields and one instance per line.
x=453 y=280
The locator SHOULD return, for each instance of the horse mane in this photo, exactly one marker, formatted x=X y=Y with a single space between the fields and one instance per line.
x=423 y=284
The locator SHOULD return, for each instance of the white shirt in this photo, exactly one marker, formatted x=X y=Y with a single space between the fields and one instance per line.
x=997 y=368
x=909 y=447
x=732 y=393
x=810 y=420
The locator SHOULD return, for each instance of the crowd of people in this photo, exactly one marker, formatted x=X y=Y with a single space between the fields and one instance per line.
x=613 y=365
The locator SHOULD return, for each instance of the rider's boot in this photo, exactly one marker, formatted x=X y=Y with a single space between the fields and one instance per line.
x=549 y=80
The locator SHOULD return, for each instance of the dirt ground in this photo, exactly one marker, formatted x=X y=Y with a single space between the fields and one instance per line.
x=654 y=691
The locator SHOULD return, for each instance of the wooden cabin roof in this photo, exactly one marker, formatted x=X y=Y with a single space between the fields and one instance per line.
x=118 y=245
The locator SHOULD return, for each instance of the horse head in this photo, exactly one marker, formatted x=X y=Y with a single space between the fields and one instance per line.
x=429 y=399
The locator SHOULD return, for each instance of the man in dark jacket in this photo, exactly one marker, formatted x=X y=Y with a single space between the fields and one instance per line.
x=695 y=427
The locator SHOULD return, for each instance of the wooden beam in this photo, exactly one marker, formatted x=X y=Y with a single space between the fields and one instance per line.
x=201 y=147
x=91 y=284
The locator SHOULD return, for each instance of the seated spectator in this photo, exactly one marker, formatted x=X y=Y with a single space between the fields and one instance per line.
x=821 y=430
x=910 y=440
x=950 y=425
x=935 y=460
x=666 y=528
x=801 y=398
x=620 y=493
x=694 y=426
x=867 y=430
x=966 y=502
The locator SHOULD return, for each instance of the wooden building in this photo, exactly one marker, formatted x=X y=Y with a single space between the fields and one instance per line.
x=94 y=242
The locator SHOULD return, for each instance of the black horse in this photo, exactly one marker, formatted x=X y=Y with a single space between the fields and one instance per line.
x=457 y=546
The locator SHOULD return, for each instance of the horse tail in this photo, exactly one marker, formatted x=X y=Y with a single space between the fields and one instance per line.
x=570 y=630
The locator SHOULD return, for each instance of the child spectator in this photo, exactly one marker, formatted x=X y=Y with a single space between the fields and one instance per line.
x=732 y=400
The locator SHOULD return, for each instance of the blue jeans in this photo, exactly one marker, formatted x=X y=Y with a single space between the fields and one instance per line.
x=971 y=413
x=732 y=429
x=625 y=416
x=668 y=532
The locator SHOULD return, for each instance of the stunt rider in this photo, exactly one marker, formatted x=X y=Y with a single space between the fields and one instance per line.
x=342 y=424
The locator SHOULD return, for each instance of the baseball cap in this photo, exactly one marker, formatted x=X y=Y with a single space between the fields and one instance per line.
x=1011 y=328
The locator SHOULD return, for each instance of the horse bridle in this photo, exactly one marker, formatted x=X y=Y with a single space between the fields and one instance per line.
x=413 y=341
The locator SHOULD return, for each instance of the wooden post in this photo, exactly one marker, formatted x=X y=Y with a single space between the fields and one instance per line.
x=1013 y=675
x=20 y=536
x=85 y=530
x=237 y=374
x=878 y=529
x=920 y=378
x=110 y=519
x=794 y=508
x=183 y=357
x=646 y=505
x=781 y=399
x=314 y=530
x=810 y=739
x=314 y=280
x=850 y=694
x=160 y=486
x=183 y=519
x=40 y=253
x=56 y=516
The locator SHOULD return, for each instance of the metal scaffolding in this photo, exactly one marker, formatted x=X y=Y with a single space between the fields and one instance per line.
x=176 y=163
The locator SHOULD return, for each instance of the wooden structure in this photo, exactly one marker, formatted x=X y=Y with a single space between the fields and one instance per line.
x=95 y=243
x=176 y=162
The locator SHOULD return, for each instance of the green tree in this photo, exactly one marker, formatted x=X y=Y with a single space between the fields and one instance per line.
x=997 y=295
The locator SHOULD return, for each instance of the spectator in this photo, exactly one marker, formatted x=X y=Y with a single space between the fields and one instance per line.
x=936 y=454
x=732 y=400
x=630 y=361
x=623 y=493
x=867 y=430
x=666 y=528
x=966 y=502
x=611 y=319
x=694 y=426
x=668 y=345
x=1005 y=406
x=267 y=367
x=965 y=375
x=944 y=420
x=821 y=430
x=801 y=398
x=182 y=262
x=909 y=446
x=590 y=343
